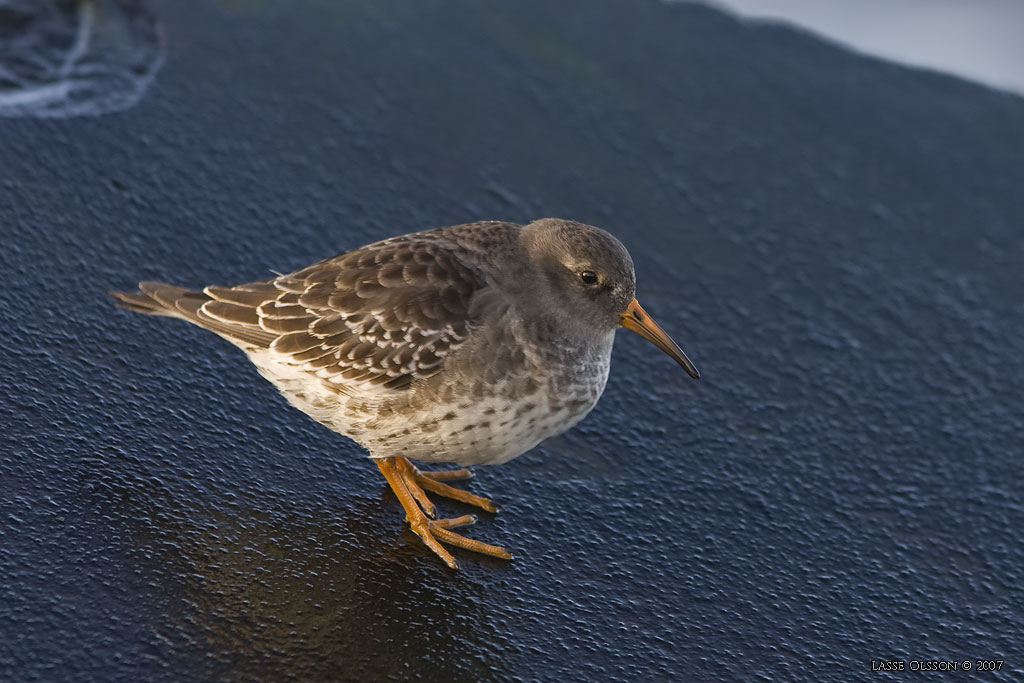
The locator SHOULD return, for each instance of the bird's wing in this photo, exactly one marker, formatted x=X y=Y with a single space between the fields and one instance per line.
x=379 y=316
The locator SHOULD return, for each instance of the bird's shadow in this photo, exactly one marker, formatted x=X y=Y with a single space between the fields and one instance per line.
x=318 y=588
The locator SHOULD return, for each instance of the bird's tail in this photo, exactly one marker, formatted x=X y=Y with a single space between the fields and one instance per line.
x=159 y=298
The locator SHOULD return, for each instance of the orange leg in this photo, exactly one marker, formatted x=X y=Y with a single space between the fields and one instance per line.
x=417 y=481
x=431 y=531
x=408 y=473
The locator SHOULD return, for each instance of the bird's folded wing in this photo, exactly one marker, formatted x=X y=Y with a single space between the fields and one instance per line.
x=379 y=316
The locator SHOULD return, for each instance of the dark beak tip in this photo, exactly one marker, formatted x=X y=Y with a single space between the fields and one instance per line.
x=691 y=370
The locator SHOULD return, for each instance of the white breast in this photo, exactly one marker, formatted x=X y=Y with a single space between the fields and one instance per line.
x=468 y=430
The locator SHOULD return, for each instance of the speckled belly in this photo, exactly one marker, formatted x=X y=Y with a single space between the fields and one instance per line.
x=491 y=431
x=452 y=423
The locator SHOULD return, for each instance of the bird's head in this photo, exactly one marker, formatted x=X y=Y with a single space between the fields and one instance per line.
x=591 y=274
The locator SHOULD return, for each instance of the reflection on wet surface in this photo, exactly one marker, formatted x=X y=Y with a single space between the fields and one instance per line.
x=63 y=58
x=286 y=584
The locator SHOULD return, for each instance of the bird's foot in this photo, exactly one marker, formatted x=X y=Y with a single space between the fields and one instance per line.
x=418 y=480
x=404 y=479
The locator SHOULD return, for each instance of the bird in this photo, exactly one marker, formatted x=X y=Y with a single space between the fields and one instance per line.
x=467 y=344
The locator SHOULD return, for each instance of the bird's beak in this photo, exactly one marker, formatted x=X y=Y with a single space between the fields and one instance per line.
x=636 y=319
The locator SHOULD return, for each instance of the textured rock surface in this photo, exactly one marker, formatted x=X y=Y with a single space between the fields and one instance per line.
x=835 y=241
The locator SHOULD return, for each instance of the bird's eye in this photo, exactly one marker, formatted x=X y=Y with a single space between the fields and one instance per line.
x=589 y=277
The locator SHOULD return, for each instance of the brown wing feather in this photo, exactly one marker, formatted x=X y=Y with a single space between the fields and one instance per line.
x=385 y=314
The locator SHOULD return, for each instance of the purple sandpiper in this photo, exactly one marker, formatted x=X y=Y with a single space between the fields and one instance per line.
x=467 y=344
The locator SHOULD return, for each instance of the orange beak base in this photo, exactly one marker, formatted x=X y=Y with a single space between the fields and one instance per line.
x=637 y=320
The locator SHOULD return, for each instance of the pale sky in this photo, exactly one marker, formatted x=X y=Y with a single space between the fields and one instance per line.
x=982 y=40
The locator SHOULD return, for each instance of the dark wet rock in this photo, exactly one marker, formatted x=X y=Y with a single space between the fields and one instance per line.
x=62 y=58
x=836 y=241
